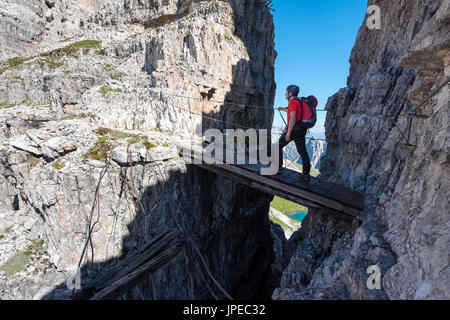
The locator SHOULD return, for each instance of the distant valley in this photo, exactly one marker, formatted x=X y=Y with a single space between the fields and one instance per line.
x=316 y=148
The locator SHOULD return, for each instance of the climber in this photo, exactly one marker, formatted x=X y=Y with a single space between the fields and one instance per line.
x=297 y=112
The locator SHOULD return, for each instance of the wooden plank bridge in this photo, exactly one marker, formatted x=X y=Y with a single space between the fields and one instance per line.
x=332 y=198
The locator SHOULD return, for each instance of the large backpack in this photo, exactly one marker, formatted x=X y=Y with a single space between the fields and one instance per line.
x=311 y=101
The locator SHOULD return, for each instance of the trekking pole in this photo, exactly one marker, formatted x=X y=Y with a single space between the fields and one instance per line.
x=281 y=115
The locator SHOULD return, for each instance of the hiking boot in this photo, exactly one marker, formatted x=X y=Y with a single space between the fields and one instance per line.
x=305 y=177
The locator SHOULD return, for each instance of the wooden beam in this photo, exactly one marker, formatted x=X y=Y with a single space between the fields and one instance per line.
x=115 y=271
x=126 y=274
x=259 y=186
x=129 y=281
x=287 y=189
x=301 y=201
x=296 y=191
x=145 y=256
x=318 y=195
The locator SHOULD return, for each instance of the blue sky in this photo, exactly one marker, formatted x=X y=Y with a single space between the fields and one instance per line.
x=314 y=39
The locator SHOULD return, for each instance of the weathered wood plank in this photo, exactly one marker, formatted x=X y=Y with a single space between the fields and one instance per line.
x=110 y=274
x=274 y=191
x=259 y=186
x=130 y=280
x=157 y=248
x=330 y=189
x=325 y=188
x=290 y=177
x=303 y=193
x=347 y=196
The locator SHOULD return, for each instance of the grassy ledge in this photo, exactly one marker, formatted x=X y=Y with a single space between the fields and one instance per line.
x=105 y=143
x=106 y=90
x=58 y=164
x=20 y=260
x=71 y=49
x=51 y=58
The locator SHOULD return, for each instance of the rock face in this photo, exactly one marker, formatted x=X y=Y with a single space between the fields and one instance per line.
x=316 y=150
x=93 y=93
x=404 y=229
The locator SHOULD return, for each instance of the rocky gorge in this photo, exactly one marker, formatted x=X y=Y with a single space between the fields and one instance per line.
x=95 y=95
x=92 y=107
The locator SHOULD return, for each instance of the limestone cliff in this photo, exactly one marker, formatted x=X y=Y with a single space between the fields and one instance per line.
x=94 y=93
x=405 y=226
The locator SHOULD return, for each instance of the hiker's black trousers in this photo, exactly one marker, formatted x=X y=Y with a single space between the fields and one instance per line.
x=298 y=135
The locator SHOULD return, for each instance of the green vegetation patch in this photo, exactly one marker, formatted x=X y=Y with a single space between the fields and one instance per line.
x=6 y=105
x=286 y=206
x=122 y=254
x=69 y=117
x=107 y=133
x=16 y=263
x=1 y=236
x=13 y=62
x=86 y=44
x=105 y=90
x=34 y=161
x=142 y=140
x=36 y=246
x=280 y=223
x=104 y=143
x=19 y=261
x=73 y=48
x=134 y=140
x=58 y=164
x=46 y=59
x=149 y=145
x=116 y=135
x=103 y=139
x=100 y=149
